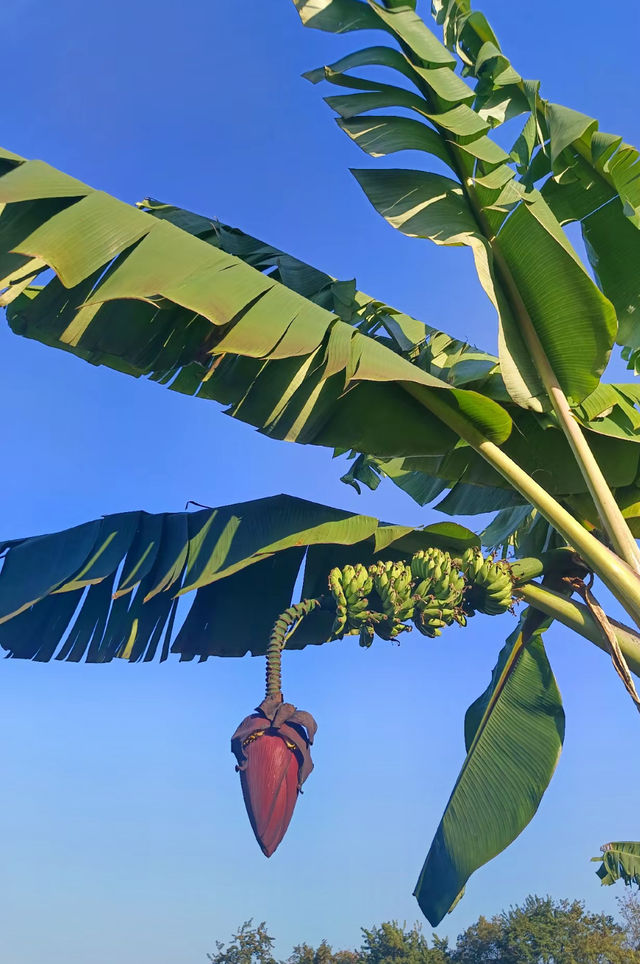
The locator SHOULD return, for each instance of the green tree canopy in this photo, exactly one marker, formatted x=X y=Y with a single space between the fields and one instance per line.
x=249 y=945
x=391 y=944
x=541 y=930
x=322 y=954
x=545 y=931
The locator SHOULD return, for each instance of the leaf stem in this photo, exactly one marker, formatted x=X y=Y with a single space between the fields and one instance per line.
x=610 y=515
x=619 y=577
x=577 y=617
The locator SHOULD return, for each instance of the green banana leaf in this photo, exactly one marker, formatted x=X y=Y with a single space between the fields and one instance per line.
x=513 y=735
x=157 y=341
x=150 y=297
x=523 y=258
x=620 y=861
x=449 y=359
x=110 y=587
x=591 y=177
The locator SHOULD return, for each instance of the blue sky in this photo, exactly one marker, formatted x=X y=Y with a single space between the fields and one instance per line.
x=124 y=835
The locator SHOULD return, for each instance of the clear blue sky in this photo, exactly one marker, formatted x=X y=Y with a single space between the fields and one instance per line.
x=124 y=837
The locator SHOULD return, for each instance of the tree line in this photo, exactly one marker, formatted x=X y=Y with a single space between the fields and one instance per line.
x=539 y=931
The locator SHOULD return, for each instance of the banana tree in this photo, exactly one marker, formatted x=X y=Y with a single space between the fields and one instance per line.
x=533 y=435
x=620 y=861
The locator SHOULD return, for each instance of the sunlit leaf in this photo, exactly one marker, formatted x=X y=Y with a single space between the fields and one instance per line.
x=513 y=734
x=620 y=861
x=110 y=587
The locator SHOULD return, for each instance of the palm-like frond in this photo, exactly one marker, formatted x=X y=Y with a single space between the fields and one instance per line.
x=620 y=861
x=589 y=176
x=513 y=735
x=149 y=335
x=110 y=587
x=141 y=294
x=524 y=260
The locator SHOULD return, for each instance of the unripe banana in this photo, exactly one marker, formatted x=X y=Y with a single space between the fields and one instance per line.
x=392 y=582
x=472 y=562
x=490 y=588
x=349 y=587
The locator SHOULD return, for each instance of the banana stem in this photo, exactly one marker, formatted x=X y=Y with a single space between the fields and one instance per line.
x=619 y=577
x=611 y=517
x=556 y=561
x=277 y=641
x=576 y=616
x=613 y=522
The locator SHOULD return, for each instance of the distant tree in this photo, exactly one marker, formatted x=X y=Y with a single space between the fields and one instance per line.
x=391 y=944
x=539 y=931
x=249 y=945
x=544 y=931
x=323 y=954
x=629 y=910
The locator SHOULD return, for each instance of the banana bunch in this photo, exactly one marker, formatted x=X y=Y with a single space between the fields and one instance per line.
x=438 y=591
x=490 y=584
x=436 y=576
x=432 y=591
x=393 y=583
x=350 y=587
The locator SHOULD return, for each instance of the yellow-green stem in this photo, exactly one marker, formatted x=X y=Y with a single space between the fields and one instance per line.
x=613 y=522
x=619 y=578
x=611 y=517
x=576 y=616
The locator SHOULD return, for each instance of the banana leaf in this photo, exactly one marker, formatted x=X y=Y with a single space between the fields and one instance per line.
x=110 y=588
x=591 y=177
x=620 y=861
x=523 y=258
x=300 y=397
x=513 y=735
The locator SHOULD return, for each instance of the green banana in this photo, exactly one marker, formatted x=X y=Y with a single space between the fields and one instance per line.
x=339 y=598
x=490 y=584
x=393 y=583
x=439 y=591
x=433 y=591
x=349 y=587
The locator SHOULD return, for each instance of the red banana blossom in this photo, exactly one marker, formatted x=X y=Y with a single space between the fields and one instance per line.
x=272 y=750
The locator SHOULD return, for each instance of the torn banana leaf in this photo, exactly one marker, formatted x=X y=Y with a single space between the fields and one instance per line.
x=110 y=588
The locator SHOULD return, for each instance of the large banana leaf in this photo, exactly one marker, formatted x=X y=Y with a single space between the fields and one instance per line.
x=173 y=346
x=153 y=298
x=110 y=587
x=513 y=735
x=620 y=861
x=456 y=362
x=524 y=259
x=609 y=410
x=592 y=177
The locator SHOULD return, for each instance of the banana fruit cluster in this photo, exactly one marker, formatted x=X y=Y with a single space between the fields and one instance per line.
x=432 y=591
x=490 y=584
x=392 y=582
x=439 y=592
x=350 y=588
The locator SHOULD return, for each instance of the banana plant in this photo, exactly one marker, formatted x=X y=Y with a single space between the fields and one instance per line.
x=532 y=435
x=619 y=861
